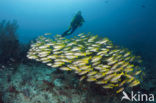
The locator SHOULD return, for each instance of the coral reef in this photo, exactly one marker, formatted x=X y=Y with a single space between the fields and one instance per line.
x=95 y=59
x=38 y=84
x=11 y=51
x=41 y=84
x=9 y=44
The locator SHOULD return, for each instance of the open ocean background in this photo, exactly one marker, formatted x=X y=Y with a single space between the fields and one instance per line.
x=130 y=23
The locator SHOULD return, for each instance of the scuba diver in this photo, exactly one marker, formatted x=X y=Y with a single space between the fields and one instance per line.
x=76 y=22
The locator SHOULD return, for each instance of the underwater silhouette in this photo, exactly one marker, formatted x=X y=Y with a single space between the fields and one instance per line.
x=9 y=44
x=143 y=6
x=11 y=50
x=76 y=22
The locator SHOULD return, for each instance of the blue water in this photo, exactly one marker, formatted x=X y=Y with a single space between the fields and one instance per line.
x=121 y=20
x=130 y=23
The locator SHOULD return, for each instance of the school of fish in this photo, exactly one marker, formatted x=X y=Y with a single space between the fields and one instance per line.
x=95 y=59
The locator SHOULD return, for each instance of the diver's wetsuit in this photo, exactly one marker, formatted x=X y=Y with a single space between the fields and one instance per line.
x=76 y=22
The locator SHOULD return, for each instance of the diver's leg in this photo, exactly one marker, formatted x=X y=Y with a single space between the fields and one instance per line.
x=66 y=32
x=72 y=30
